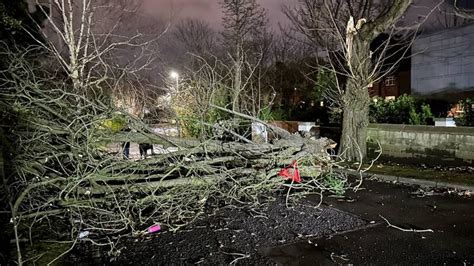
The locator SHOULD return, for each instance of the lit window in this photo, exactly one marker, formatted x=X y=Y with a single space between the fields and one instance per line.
x=390 y=81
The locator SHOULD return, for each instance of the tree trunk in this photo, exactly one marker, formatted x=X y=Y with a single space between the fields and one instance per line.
x=356 y=101
x=237 y=83
x=353 y=145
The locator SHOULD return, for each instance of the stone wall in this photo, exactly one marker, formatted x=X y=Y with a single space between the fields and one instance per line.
x=428 y=144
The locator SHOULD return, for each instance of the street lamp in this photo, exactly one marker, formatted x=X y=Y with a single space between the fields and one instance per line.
x=174 y=75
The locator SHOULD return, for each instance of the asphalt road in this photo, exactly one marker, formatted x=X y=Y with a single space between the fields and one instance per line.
x=450 y=217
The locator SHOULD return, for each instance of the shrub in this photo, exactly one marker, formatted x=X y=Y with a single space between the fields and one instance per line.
x=334 y=184
x=467 y=118
x=198 y=126
x=403 y=110
x=325 y=83
x=277 y=114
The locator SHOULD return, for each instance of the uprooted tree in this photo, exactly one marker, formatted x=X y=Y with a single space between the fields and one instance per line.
x=348 y=28
x=61 y=180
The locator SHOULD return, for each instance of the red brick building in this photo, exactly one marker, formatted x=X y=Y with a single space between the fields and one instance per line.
x=393 y=85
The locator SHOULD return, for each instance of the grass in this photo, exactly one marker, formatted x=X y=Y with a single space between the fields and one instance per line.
x=457 y=177
x=43 y=253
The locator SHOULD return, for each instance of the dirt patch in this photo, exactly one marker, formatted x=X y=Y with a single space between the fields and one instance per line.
x=227 y=235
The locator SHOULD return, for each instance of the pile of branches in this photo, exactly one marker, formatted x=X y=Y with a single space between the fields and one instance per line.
x=58 y=176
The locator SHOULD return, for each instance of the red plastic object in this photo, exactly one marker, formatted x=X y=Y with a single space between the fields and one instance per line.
x=293 y=175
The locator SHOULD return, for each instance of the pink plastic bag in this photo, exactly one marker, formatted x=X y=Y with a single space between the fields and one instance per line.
x=154 y=228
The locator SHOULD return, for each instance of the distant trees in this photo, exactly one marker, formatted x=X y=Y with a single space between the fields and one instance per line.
x=247 y=40
x=224 y=68
x=197 y=36
x=348 y=28
x=291 y=66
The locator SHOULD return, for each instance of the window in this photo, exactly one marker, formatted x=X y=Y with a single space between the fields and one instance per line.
x=390 y=81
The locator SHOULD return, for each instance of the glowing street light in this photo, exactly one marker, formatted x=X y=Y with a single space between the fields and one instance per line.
x=174 y=75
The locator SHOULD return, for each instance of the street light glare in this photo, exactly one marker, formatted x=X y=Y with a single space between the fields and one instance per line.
x=174 y=75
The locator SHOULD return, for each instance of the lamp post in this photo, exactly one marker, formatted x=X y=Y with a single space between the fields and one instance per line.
x=174 y=75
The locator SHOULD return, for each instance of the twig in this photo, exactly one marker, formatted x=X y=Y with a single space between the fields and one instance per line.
x=406 y=230
x=241 y=257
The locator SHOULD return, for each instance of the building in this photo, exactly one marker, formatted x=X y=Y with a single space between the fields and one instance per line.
x=442 y=64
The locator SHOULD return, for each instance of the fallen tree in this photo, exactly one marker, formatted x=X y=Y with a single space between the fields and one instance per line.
x=59 y=180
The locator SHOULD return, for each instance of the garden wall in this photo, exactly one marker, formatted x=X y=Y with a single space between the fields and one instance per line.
x=428 y=144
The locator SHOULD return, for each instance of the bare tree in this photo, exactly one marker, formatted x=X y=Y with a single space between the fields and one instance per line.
x=450 y=15
x=99 y=43
x=462 y=11
x=246 y=36
x=196 y=35
x=230 y=66
x=348 y=28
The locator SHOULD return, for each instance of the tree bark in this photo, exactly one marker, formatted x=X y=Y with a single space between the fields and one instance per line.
x=353 y=145
x=237 y=79
x=356 y=102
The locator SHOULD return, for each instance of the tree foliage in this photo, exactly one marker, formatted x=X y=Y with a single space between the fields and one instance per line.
x=19 y=25
x=467 y=116
x=403 y=110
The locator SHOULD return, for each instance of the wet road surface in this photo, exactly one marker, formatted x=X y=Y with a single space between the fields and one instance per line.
x=450 y=217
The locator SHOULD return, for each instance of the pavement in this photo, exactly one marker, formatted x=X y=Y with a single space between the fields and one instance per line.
x=449 y=216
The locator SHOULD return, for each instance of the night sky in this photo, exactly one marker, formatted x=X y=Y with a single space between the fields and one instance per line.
x=208 y=10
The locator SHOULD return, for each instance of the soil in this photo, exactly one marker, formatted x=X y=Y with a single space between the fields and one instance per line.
x=347 y=230
x=228 y=235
